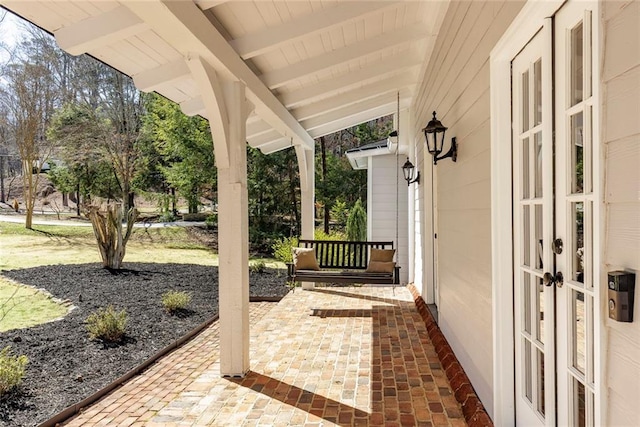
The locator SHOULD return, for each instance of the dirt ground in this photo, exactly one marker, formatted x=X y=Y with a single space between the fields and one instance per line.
x=65 y=366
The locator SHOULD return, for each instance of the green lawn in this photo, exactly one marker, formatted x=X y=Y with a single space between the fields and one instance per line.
x=22 y=306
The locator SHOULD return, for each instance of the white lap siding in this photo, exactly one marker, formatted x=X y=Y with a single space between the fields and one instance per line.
x=621 y=137
x=456 y=85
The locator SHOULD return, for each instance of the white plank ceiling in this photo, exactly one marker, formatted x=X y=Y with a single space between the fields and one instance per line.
x=311 y=67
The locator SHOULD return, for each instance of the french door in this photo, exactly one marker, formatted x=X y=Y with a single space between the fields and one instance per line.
x=553 y=216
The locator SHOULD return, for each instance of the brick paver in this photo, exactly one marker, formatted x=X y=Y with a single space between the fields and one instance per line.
x=349 y=356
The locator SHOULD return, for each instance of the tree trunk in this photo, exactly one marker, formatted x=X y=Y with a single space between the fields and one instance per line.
x=108 y=230
x=294 y=198
x=323 y=153
x=65 y=200
x=2 y=198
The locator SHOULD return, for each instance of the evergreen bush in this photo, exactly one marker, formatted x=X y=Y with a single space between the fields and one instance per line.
x=357 y=223
x=12 y=370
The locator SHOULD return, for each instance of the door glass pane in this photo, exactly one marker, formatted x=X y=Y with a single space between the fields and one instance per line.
x=589 y=146
x=537 y=92
x=576 y=64
x=525 y=168
x=579 y=331
x=590 y=339
x=578 y=241
x=586 y=260
x=526 y=236
x=577 y=153
x=526 y=301
x=538 y=166
x=525 y=101
x=579 y=404
x=540 y=303
x=589 y=55
x=528 y=388
x=539 y=244
x=540 y=363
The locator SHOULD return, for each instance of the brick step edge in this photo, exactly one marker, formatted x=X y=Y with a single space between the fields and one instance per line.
x=474 y=412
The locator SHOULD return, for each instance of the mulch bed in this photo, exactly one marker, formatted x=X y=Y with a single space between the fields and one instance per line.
x=65 y=366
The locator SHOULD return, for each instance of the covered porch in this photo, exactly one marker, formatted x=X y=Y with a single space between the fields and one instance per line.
x=332 y=356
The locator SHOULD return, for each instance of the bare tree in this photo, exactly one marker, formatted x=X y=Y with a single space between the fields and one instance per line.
x=28 y=98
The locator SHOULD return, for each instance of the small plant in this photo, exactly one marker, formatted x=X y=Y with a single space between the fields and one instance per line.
x=107 y=324
x=173 y=301
x=282 y=249
x=257 y=267
x=211 y=221
x=11 y=370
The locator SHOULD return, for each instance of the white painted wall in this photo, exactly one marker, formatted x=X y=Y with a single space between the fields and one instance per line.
x=621 y=137
x=456 y=85
x=387 y=202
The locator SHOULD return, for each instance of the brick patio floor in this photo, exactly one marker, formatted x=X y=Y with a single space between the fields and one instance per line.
x=349 y=356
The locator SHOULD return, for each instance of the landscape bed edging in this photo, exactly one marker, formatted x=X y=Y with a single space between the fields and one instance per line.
x=474 y=411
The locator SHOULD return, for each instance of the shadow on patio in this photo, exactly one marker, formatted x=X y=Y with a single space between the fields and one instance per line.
x=353 y=356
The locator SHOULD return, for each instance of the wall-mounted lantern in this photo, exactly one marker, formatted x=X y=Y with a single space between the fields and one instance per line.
x=407 y=170
x=434 y=134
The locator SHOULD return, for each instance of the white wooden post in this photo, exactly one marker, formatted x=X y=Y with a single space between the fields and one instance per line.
x=307 y=199
x=233 y=237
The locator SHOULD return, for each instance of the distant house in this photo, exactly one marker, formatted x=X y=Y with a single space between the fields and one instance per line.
x=387 y=212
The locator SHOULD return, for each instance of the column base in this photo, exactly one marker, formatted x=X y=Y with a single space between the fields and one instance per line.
x=306 y=286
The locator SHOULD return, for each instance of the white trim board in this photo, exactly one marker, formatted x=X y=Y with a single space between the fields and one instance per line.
x=528 y=22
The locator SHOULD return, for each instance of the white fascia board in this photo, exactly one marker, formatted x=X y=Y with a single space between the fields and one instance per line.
x=99 y=31
x=272 y=38
x=374 y=71
x=392 y=84
x=187 y=29
x=360 y=159
x=276 y=78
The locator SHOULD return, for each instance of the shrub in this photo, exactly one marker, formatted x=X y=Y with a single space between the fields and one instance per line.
x=257 y=267
x=172 y=301
x=11 y=370
x=319 y=234
x=282 y=248
x=211 y=221
x=357 y=223
x=339 y=213
x=107 y=325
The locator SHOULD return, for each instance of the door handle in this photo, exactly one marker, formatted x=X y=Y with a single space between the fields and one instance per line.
x=549 y=279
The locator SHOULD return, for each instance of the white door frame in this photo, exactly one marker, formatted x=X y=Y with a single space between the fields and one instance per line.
x=528 y=22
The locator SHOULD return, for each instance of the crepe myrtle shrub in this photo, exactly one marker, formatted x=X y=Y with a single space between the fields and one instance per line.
x=12 y=370
x=174 y=301
x=107 y=324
